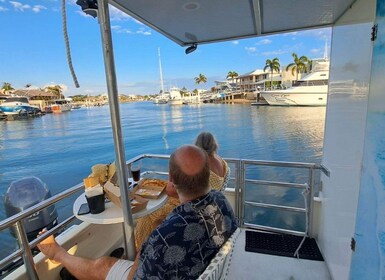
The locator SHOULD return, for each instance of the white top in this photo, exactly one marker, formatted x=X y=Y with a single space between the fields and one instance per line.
x=114 y=214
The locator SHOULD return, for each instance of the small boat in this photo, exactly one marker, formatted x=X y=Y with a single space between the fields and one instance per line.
x=311 y=90
x=18 y=105
x=59 y=106
x=77 y=106
x=160 y=99
x=175 y=96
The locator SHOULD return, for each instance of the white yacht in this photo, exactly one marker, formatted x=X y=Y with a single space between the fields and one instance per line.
x=160 y=99
x=175 y=97
x=18 y=105
x=344 y=219
x=311 y=90
x=59 y=106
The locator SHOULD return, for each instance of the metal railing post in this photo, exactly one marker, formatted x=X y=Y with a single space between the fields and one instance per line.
x=311 y=202
x=122 y=171
x=27 y=254
x=241 y=190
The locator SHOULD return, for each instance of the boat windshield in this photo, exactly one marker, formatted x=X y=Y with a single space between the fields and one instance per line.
x=310 y=83
x=17 y=99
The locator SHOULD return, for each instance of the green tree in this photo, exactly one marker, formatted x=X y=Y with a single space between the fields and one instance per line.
x=232 y=75
x=272 y=65
x=56 y=89
x=299 y=65
x=184 y=91
x=6 y=88
x=200 y=79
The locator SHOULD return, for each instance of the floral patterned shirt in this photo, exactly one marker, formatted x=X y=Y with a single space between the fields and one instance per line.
x=184 y=244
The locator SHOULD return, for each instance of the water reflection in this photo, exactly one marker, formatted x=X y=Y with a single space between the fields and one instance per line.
x=60 y=149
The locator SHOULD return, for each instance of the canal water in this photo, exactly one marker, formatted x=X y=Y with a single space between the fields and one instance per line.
x=61 y=148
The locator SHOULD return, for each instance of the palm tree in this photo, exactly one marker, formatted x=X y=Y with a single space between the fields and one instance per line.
x=200 y=79
x=299 y=65
x=7 y=87
x=272 y=65
x=56 y=89
x=232 y=75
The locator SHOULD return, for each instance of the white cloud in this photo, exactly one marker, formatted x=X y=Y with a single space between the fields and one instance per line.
x=2 y=9
x=117 y=15
x=115 y=27
x=38 y=8
x=235 y=42
x=264 y=42
x=143 y=32
x=119 y=29
x=251 y=49
x=274 y=53
x=83 y=14
x=315 y=51
x=19 y=6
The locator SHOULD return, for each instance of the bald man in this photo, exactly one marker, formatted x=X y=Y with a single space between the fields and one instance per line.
x=183 y=245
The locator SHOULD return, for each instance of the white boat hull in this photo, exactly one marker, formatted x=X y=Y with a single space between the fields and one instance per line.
x=175 y=102
x=298 y=97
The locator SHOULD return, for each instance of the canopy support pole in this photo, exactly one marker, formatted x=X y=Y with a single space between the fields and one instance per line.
x=122 y=171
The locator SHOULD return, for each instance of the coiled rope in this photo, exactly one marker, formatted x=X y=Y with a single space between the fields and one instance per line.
x=67 y=44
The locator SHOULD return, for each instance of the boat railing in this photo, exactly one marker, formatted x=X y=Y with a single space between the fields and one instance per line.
x=16 y=221
x=243 y=181
x=239 y=181
x=310 y=83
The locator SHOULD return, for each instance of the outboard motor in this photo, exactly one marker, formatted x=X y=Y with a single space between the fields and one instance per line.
x=24 y=193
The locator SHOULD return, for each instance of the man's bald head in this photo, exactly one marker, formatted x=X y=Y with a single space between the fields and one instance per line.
x=190 y=171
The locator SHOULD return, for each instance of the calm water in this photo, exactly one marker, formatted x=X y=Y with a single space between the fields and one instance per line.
x=61 y=148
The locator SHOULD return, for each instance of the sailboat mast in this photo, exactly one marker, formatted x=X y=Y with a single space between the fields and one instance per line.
x=160 y=73
x=326 y=50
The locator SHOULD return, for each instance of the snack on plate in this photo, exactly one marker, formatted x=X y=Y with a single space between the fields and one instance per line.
x=153 y=182
x=89 y=182
x=112 y=175
x=147 y=192
x=100 y=171
x=150 y=188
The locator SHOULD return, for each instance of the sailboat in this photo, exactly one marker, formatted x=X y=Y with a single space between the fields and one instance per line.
x=161 y=98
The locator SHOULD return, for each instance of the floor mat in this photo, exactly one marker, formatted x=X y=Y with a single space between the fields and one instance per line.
x=282 y=245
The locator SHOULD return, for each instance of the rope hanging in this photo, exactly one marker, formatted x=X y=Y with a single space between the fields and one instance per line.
x=67 y=44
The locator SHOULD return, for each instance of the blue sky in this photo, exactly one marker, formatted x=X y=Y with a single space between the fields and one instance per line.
x=32 y=51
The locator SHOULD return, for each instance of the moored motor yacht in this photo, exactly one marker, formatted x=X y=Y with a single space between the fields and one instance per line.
x=175 y=97
x=18 y=105
x=311 y=90
x=59 y=106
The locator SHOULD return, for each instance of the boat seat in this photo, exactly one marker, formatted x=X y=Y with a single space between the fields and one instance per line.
x=219 y=265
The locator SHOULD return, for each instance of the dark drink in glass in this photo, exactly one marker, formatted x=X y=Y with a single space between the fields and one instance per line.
x=135 y=174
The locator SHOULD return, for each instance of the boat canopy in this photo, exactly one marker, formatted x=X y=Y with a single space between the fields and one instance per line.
x=221 y=20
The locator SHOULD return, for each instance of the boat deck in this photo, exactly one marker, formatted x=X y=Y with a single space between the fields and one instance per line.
x=250 y=265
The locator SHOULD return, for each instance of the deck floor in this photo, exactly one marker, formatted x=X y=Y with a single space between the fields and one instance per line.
x=249 y=265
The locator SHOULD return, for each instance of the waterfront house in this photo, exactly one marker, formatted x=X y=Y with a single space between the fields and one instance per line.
x=36 y=97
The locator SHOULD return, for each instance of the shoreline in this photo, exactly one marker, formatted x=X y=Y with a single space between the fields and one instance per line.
x=238 y=101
